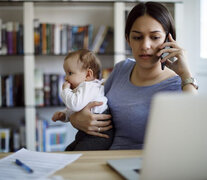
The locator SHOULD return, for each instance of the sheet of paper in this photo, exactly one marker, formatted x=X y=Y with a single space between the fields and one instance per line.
x=42 y=163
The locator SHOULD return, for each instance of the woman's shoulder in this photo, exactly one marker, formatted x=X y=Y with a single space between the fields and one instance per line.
x=172 y=83
x=125 y=65
x=126 y=62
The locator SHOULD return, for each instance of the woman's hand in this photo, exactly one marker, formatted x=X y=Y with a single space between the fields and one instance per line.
x=179 y=65
x=92 y=124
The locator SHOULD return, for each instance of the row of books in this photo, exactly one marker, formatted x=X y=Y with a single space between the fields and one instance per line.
x=11 y=90
x=50 y=138
x=11 y=38
x=55 y=38
x=61 y=38
x=48 y=88
x=12 y=139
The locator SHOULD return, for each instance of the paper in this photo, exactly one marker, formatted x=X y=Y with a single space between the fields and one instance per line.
x=43 y=164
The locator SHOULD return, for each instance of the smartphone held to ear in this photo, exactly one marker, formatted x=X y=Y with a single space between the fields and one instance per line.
x=164 y=55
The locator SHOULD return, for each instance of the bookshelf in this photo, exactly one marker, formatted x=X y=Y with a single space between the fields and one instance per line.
x=110 y=13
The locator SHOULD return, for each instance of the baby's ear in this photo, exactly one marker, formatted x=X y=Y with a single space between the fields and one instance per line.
x=89 y=75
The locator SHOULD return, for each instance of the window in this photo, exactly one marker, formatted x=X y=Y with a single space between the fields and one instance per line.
x=203 y=29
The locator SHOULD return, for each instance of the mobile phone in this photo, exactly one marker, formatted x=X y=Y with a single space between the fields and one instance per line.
x=164 y=54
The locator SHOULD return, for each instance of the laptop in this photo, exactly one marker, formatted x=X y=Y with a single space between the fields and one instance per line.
x=175 y=142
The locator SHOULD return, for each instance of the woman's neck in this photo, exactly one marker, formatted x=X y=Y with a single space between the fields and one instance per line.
x=150 y=76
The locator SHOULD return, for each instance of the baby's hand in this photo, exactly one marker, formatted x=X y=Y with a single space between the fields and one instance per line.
x=58 y=116
x=65 y=85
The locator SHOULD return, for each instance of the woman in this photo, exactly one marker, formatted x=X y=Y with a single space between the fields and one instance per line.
x=133 y=83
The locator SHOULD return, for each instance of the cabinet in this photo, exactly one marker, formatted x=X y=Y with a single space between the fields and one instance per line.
x=110 y=13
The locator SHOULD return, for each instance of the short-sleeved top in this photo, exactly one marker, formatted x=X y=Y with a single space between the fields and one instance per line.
x=130 y=104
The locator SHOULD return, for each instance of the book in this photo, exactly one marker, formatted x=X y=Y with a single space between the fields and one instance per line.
x=39 y=88
x=0 y=90
x=90 y=36
x=9 y=37
x=37 y=36
x=78 y=34
x=0 y=34
x=54 y=100
x=18 y=90
x=108 y=42
x=3 y=49
x=41 y=127
x=14 y=37
x=69 y=37
x=9 y=91
x=57 y=38
x=15 y=140
x=20 y=40
x=60 y=83
x=3 y=88
x=64 y=48
x=46 y=81
x=56 y=138
x=4 y=139
x=99 y=38
x=44 y=38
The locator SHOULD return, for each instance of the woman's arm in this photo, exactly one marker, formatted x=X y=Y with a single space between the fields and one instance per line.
x=179 y=66
x=90 y=123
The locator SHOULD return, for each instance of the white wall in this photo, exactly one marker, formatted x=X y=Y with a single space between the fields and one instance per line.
x=190 y=32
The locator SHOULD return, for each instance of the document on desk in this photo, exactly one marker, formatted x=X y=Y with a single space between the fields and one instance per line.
x=43 y=164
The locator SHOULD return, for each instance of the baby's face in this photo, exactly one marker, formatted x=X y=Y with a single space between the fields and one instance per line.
x=74 y=72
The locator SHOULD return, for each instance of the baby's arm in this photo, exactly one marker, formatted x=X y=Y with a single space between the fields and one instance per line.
x=76 y=101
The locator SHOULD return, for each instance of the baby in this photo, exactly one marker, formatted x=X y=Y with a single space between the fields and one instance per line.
x=81 y=86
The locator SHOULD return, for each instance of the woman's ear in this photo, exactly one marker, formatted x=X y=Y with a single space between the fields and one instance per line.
x=89 y=75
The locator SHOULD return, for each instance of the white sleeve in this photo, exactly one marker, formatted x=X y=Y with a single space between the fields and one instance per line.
x=82 y=95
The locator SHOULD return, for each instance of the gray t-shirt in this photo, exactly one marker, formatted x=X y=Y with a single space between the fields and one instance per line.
x=130 y=104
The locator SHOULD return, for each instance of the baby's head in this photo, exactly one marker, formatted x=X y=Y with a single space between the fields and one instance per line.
x=81 y=65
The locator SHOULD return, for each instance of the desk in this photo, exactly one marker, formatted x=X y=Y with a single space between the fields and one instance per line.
x=92 y=165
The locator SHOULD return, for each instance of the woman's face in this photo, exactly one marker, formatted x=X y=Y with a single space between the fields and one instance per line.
x=145 y=38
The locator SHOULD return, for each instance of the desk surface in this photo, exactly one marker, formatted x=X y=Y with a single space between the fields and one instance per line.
x=92 y=164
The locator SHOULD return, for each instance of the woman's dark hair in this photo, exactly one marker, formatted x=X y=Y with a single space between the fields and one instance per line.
x=157 y=11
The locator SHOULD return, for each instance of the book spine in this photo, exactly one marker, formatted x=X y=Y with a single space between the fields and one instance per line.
x=57 y=39
x=64 y=39
x=44 y=38
x=14 y=37
x=4 y=40
x=48 y=38
x=0 y=90
x=60 y=83
x=5 y=139
x=0 y=35
x=46 y=89
x=20 y=40
x=69 y=38
x=9 y=32
x=37 y=36
x=54 y=89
